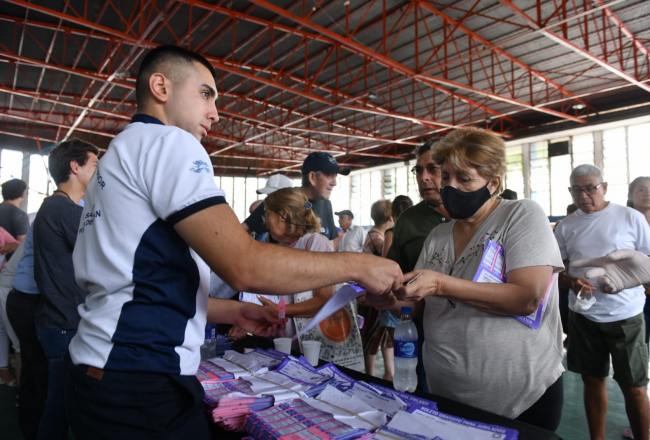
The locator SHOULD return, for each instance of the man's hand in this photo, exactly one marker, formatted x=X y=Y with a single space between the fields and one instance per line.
x=379 y=276
x=581 y=284
x=236 y=333
x=617 y=271
x=258 y=320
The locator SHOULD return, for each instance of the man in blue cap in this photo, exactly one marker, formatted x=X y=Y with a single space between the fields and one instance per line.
x=319 y=171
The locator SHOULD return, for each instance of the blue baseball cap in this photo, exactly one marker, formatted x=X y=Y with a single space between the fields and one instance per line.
x=323 y=162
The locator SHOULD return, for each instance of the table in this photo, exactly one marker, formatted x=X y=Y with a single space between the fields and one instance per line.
x=526 y=431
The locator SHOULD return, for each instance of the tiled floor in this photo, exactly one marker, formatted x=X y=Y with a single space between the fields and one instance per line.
x=574 y=423
x=572 y=427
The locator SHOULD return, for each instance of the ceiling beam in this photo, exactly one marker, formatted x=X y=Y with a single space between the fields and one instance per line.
x=498 y=50
x=222 y=64
x=43 y=97
x=125 y=63
x=619 y=23
x=40 y=96
x=257 y=122
x=88 y=74
x=429 y=80
x=81 y=21
x=571 y=46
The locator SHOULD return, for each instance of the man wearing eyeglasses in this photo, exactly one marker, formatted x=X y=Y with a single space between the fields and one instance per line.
x=416 y=222
x=612 y=325
x=414 y=225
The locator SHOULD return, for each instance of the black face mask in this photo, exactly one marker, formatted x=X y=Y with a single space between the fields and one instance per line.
x=463 y=204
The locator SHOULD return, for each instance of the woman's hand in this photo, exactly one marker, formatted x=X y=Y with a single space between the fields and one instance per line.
x=420 y=284
x=268 y=304
x=274 y=309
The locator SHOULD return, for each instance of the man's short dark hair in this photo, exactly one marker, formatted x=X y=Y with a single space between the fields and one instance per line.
x=64 y=153
x=13 y=189
x=154 y=60
x=400 y=204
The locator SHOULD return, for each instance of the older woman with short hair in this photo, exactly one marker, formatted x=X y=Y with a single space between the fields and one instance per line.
x=638 y=197
x=491 y=322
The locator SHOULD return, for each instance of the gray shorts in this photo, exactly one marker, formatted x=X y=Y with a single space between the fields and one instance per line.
x=591 y=344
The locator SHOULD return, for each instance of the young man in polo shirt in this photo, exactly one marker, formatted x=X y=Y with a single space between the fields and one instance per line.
x=153 y=218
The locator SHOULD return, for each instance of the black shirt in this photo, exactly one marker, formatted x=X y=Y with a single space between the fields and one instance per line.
x=55 y=232
x=322 y=208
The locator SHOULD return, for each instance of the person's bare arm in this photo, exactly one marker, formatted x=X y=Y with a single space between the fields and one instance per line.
x=218 y=237
x=388 y=241
x=519 y=295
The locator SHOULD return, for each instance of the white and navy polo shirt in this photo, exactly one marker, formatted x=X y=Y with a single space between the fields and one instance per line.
x=147 y=290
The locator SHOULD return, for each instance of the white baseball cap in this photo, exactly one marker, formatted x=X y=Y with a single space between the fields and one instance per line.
x=274 y=183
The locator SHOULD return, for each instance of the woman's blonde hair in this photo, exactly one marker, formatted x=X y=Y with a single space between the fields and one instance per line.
x=295 y=209
x=475 y=148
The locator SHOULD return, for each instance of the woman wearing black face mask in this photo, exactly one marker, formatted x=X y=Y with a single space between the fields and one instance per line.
x=491 y=322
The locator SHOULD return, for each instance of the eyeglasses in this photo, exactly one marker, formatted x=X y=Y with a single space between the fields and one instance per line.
x=589 y=189
x=431 y=168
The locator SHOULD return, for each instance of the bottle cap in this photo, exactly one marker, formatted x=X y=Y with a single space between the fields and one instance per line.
x=406 y=310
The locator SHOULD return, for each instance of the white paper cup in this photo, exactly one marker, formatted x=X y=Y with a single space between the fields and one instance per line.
x=283 y=345
x=311 y=350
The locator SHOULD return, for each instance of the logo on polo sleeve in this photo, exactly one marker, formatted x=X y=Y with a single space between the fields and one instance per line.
x=200 y=166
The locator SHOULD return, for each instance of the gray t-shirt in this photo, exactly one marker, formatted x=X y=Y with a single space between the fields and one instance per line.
x=14 y=220
x=482 y=359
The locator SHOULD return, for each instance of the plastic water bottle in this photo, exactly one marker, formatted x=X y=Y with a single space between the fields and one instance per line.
x=406 y=353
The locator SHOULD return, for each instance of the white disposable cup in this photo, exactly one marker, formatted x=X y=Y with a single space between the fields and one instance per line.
x=283 y=345
x=311 y=350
